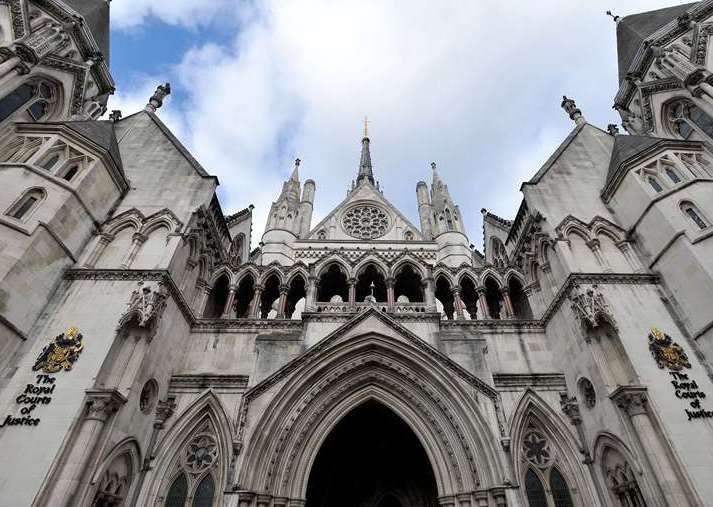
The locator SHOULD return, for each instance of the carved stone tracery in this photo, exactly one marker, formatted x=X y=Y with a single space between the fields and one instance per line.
x=590 y=307
x=145 y=307
x=366 y=222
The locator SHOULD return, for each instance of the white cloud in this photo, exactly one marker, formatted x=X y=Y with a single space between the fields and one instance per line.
x=475 y=86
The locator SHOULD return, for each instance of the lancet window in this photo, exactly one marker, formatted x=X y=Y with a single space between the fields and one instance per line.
x=370 y=282
x=408 y=285
x=444 y=297
x=694 y=215
x=333 y=285
x=193 y=481
x=26 y=204
x=687 y=120
x=37 y=99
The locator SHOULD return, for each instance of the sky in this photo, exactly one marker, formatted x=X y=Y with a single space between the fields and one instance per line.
x=474 y=86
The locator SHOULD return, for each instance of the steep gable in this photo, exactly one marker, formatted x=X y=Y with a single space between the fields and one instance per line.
x=365 y=193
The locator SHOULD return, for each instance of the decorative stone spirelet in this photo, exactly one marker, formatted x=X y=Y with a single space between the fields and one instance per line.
x=156 y=100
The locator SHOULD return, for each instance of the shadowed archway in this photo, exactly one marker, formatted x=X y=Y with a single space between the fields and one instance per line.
x=371 y=459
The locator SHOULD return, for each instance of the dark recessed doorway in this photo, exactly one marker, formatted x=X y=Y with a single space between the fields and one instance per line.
x=371 y=459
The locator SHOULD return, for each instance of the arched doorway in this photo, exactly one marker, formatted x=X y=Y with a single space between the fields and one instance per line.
x=371 y=459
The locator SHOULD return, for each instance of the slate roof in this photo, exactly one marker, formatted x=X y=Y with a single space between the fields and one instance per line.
x=96 y=16
x=102 y=133
x=625 y=147
x=632 y=30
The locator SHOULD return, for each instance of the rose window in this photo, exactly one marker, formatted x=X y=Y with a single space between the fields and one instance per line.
x=366 y=222
x=201 y=453
x=536 y=449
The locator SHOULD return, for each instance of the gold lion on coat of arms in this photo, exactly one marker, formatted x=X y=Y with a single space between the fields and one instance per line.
x=61 y=353
x=666 y=352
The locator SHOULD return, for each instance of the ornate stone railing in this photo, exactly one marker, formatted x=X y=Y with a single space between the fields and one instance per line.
x=410 y=308
x=362 y=307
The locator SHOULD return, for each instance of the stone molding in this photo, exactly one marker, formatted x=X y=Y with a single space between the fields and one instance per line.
x=145 y=307
x=590 y=307
x=536 y=381
x=201 y=381
x=103 y=403
x=632 y=399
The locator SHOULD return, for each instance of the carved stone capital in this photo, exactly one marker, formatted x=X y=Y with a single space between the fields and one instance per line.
x=164 y=410
x=102 y=403
x=145 y=307
x=590 y=307
x=570 y=407
x=139 y=238
x=631 y=399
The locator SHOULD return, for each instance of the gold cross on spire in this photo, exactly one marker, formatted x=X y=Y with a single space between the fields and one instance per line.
x=366 y=127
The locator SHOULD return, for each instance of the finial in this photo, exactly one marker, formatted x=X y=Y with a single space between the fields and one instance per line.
x=613 y=16
x=297 y=162
x=366 y=127
x=115 y=115
x=613 y=129
x=572 y=110
x=433 y=166
x=371 y=287
x=156 y=100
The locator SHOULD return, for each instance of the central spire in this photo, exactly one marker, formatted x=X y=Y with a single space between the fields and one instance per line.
x=365 y=169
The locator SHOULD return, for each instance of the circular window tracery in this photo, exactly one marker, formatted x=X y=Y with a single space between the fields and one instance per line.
x=201 y=453
x=366 y=221
x=536 y=449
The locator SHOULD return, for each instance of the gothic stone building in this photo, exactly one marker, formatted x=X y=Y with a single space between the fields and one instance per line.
x=151 y=356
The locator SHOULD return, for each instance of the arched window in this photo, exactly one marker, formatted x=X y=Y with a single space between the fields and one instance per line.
x=493 y=297
x=535 y=491
x=655 y=184
x=50 y=161
x=70 y=172
x=178 y=492
x=23 y=207
x=469 y=296
x=244 y=297
x=114 y=483
x=333 y=284
x=296 y=295
x=518 y=298
x=197 y=470
x=449 y=219
x=204 y=493
x=370 y=282
x=685 y=119
x=672 y=175
x=36 y=98
x=444 y=295
x=408 y=236
x=322 y=234
x=218 y=297
x=559 y=489
x=408 y=285
x=270 y=298
x=690 y=210
x=621 y=479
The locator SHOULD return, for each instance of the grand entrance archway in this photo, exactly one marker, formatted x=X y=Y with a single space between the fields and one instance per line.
x=372 y=459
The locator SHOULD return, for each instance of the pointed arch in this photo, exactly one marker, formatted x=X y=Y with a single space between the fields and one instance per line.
x=372 y=260
x=272 y=270
x=533 y=411
x=407 y=259
x=206 y=415
x=113 y=479
x=286 y=434
x=244 y=271
x=619 y=470
x=219 y=272
x=322 y=265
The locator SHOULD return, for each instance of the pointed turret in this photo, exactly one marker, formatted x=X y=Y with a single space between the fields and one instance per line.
x=447 y=225
x=285 y=222
x=365 y=170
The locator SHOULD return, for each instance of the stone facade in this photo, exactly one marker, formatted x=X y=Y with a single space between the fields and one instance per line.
x=150 y=356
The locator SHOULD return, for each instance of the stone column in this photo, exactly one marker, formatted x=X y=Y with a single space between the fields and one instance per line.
x=245 y=498
x=595 y=247
x=633 y=401
x=481 y=499
x=8 y=66
x=446 y=501
x=507 y=303
x=457 y=304
x=630 y=256
x=255 y=303
x=282 y=303
x=311 y=297
x=204 y=294
x=296 y=502
x=352 y=291
x=100 y=405
x=390 y=299
x=483 y=303
x=464 y=500
x=429 y=295
x=499 y=496
x=137 y=240
x=104 y=240
x=263 y=500
x=229 y=302
x=280 y=501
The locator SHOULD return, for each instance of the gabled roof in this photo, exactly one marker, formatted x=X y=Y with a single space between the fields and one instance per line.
x=102 y=133
x=625 y=147
x=632 y=30
x=96 y=16
x=372 y=194
x=174 y=140
x=628 y=150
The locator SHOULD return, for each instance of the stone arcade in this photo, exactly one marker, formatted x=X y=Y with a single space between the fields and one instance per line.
x=151 y=356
